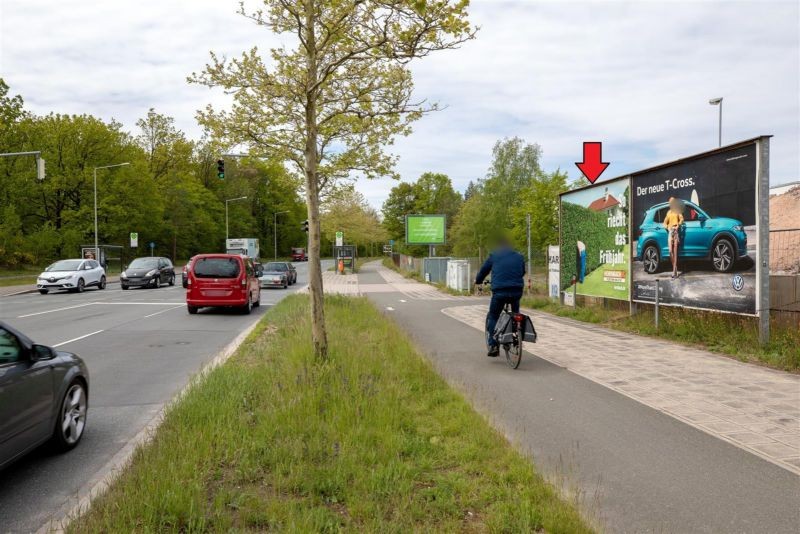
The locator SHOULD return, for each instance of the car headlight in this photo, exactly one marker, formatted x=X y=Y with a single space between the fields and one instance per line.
x=151 y=273
x=739 y=228
x=123 y=275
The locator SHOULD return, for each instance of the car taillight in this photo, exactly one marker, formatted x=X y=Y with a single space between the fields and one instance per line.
x=244 y=281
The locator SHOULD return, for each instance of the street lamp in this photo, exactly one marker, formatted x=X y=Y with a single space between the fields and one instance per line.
x=96 y=244
x=718 y=102
x=275 y=231
x=226 y=214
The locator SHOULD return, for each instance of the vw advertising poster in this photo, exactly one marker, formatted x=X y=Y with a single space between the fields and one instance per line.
x=701 y=213
x=594 y=240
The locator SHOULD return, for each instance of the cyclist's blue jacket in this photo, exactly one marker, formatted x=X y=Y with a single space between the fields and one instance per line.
x=508 y=271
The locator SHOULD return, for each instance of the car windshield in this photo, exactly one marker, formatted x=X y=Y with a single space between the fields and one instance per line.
x=298 y=250
x=143 y=263
x=216 y=268
x=273 y=266
x=64 y=265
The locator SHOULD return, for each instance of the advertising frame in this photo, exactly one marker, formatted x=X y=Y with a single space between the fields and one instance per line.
x=600 y=186
x=761 y=222
x=441 y=216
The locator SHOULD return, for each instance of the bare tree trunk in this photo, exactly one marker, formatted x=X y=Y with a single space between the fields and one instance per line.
x=319 y=336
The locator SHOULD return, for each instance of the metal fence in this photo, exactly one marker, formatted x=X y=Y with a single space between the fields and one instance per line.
x=784 y=251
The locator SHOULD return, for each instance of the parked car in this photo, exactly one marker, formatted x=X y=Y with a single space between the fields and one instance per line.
x=278 y=274
x=72 y=275
x=148 y=272
x=299 y=254
x=720 y=240
x=229 y=280
x=185 y=273
x=44 y=395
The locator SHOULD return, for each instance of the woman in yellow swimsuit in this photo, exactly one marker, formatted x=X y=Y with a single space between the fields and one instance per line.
x=673 y=222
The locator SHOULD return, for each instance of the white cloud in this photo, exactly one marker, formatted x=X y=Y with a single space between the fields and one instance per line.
x=635 y=75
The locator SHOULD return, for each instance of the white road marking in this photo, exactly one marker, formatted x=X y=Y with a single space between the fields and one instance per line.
x=164 y=311
x=403 y=300
x=389 y=308
x=138 y=303
x=76 y=339
x=55 y=310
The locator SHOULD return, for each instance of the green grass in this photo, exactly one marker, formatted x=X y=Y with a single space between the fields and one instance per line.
x=732 y=335
x=373 y=440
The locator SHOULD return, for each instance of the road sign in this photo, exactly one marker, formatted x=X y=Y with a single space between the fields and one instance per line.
x=391 y=242
x=134 y=239
x=152 y=247
x=339 y=239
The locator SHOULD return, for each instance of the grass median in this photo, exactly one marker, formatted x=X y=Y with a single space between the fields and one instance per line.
x=371 y=440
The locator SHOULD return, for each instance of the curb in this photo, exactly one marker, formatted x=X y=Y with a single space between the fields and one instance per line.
x=99 y=483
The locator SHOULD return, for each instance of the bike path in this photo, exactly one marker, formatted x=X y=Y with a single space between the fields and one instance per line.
x=636 y=468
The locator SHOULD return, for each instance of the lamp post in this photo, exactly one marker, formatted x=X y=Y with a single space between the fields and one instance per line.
x=275 y=232
x=226 y=213
x=718 y=102
x=96 y=241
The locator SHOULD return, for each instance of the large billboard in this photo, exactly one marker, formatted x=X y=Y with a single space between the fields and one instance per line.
x=713 y=198
x=595 y=246
x=426 y=229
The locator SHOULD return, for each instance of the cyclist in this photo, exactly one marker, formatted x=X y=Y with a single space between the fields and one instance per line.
x=507 y=267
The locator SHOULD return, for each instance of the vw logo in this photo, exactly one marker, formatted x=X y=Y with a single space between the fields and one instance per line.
x=52 y=279
x=737 y=282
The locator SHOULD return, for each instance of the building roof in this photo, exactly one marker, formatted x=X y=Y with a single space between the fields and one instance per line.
x=603 y=203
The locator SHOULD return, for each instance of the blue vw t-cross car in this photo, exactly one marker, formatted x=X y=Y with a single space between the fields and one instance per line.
x=718 y=239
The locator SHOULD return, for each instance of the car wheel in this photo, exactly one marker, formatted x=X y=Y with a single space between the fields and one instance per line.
x=102 y=282
x=650 y=259
x=71 y=419
x=44 y=291
x=124 y=287
x=81 y=286
x=171 y=280
x=156 y=282
x=191 y=309
x=722 y=255
x=248 y=307
x=285 y=285
x=257 y=303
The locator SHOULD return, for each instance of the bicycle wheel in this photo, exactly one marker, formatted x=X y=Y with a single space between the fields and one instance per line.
x=513 y=353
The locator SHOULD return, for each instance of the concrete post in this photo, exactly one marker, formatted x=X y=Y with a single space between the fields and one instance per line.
x=762 y=225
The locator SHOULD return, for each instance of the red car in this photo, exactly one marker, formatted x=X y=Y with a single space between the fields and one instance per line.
x=229 y=280
x=299 y=254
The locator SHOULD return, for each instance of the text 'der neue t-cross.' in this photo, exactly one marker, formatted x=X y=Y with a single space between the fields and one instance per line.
x=226 y=280
x=720 y=240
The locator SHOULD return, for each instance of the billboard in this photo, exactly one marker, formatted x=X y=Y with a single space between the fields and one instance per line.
x=425 y=229
x=716 y=241
x=595 y=240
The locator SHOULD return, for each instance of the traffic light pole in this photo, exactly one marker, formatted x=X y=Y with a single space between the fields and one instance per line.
x=39 y=160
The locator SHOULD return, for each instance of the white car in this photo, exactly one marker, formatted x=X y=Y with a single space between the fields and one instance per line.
x=72 y=275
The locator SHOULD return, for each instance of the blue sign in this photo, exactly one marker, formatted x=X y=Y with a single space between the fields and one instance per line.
x=152 y=244
x=391 y=242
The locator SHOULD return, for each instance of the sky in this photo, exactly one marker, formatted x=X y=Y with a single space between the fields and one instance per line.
x=636 y=76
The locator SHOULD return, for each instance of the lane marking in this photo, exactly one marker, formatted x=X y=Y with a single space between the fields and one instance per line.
x=389 y=308
x=137 y=303
x=55 y=310
x=164 y=311
x=76 y=339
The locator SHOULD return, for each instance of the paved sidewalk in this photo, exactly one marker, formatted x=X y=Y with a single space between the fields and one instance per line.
x=754 y=408
x=637 y=463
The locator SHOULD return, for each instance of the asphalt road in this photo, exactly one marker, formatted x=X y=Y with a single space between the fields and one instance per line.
x=636 y=469
x=141 y=347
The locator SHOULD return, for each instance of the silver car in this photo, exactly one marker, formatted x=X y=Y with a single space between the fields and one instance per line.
x=44 y=396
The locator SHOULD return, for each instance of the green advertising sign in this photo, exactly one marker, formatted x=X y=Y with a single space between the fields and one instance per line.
x=594 y=240
x=425 y=229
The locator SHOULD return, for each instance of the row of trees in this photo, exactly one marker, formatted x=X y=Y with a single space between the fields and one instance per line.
x=498 y=205
x=169 y=193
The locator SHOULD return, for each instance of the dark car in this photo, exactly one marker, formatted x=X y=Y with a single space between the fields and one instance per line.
x=229 y=280
x=720 y=240
x=278 y=273
x=299 y=254
x=148 y=272
x=44 y=396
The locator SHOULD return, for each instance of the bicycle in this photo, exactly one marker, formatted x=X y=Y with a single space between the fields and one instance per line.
x=511 y=331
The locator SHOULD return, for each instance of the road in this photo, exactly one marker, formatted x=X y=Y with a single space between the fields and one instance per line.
x=637 y=469
x=141 y=347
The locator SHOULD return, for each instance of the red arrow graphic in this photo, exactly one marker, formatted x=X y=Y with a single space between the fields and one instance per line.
x=592 y=165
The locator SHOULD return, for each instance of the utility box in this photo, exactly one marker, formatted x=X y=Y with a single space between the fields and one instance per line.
x=458 y=275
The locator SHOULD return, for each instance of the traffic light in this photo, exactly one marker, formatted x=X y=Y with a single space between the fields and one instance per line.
x=304 y=226
x=221 y=169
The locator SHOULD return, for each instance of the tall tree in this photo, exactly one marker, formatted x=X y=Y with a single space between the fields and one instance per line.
x=333 y=102
x=402 y=200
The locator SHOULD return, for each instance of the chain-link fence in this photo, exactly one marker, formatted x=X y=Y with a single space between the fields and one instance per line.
x=784 y=251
